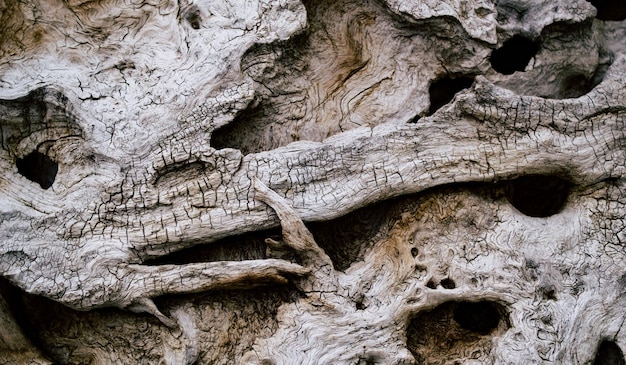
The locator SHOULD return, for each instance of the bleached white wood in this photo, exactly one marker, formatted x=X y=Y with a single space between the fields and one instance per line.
x=177 y=124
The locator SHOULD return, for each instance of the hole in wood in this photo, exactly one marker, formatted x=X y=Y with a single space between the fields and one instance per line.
x=609 y=353
x=359 y=305
x=479 y=317
x=538 y=195
x=514 y=55
x=421 y=268
x=193 y=18
x=610 y=9
x=447 y=283
x=230 y=135
x=191 y=14
x=38 y=168
x=456 y=330
x=443 y=90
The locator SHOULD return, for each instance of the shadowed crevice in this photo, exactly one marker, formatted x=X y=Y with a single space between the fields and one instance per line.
x=576 y=85
x=245 y=132
x=43 y=109
x=38 y=168
x=247 y=246
x=192 y=16
x=609 y=353
x=610 y=9
x=443 y=90
x=479 y=317
x=514 y=55
x=538 y=195
x=277 y=69
x=22 y=316
x=455 y=329
x=447 y=283
x=68 y=336
x=346 y=239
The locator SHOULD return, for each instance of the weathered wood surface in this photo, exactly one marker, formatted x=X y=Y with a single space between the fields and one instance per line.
x=171 y=130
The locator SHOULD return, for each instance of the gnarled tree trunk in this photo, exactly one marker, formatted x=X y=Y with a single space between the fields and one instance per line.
x=328 y=182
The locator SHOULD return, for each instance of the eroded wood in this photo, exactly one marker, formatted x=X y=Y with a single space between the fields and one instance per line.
x=157 y=129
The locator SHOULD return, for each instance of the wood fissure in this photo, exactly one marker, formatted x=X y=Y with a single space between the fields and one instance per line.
x=312 y=182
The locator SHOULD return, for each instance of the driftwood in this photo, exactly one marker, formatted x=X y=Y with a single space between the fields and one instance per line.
x=448 y=176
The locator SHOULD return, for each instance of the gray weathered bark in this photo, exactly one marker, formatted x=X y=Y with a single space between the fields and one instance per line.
x=448 y=176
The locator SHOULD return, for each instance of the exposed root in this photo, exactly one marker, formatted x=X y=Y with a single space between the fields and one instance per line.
x=295 y=233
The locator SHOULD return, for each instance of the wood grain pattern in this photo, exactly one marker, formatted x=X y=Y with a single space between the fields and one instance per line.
x=448 y=177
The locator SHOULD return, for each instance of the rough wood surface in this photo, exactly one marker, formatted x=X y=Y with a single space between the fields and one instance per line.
x=448 y=177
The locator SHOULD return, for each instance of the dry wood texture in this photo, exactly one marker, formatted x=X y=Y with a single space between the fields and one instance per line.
x=317 y=182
